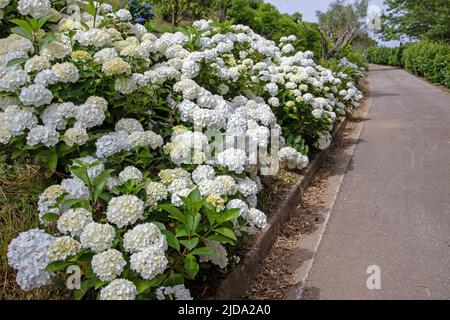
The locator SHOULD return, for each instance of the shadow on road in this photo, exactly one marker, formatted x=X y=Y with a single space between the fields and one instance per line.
x=377 y=94
x=377 y=69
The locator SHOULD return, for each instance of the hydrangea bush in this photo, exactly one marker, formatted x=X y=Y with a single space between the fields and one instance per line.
x=126 y=114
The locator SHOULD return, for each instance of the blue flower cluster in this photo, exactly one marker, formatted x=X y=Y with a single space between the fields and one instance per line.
x=141 y=12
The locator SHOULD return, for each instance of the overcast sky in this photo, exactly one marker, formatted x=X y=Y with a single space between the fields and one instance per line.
x=308 y=9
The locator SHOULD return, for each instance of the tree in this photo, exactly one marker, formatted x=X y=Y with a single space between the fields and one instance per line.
x=417 y=19
x=340 y=24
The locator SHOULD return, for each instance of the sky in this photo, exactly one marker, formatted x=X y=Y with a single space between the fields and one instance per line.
x=308 y=9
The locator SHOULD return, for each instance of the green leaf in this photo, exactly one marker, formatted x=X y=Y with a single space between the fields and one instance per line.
x=173 y=279
x=174 y=213
x=42 y=21
x=195 y=195
x=190 y=244
x=23 y=24
x=191 y=266
x=143 y=286
x=160 y=225
x=226 y=232
x=102 y=177
x=57 y=266
x=229 y=215
x=171 y=240
x=16 y=61
x=22 y=32
x=203 y=251
x=221 y=239
x=50 y=217
x=49 y=38
x=81 y=173
x=197 y=218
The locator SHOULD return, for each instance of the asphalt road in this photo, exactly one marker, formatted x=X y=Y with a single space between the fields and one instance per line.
x=393 y=207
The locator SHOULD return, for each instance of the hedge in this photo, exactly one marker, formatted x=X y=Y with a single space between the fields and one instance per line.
x=425 y=58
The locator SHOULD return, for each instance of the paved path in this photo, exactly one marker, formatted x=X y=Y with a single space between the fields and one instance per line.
x=393 y=207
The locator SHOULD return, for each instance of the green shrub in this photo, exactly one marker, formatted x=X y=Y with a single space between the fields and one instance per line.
x=425 y=58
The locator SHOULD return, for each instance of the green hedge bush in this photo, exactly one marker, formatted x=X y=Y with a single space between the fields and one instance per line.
x=425 y=58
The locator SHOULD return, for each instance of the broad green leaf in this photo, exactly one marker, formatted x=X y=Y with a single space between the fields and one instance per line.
x=174 y=212
x=203 y=251
x=22 y=32
x=190 y=244
x=191 y=266
x=57 y=266
x=171 y=240
x=16 y=61
x=50 y=217
x=23 y=24
x=102 y=177
x=81 y=173
x=144 y=285
x=221 y=239
x=173 y=279
x=229 y=215
x=226 y=232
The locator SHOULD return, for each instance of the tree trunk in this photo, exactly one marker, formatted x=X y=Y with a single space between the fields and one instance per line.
x=175 y=11
x=222 y=12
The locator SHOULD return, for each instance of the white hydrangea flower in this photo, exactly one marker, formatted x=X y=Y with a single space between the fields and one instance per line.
x=143 y=236
x=156 y=191
x=37 y=63
x=111 y=144
x=233 y=159
x=42 y=134
x=125 y=210
x=35 y=95
x=257 y=218
x=89 y=116
x=130 y=173
x=178 y=184
x=239 y=204
x=13 y=79
x=63 y=247
x=324 y=141
x=128 y=125
x=66 y=72
x=98 y=101
x=116 y=66
x=35 y=8
x=45 y=78
x=94 y=37
x=119 y=289
x=74 y=221
x=202 y=173
x=167 y=175
x=225 y=185
x=219 y=257
x=76 y=136
x=27 y=253
x=75 y=188
x=97 y=236
x=4 y=3
x=144 y=139
x=247 y=187
x=124 y=15
x=178 y=292
x=149 y=262
x=108 y=265
x=125 y=85
x=105 y=54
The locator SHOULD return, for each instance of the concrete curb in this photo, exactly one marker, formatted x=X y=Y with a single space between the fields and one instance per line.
x=238 y=282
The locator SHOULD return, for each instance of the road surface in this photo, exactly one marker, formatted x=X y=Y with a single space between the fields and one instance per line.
x=393 y=207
